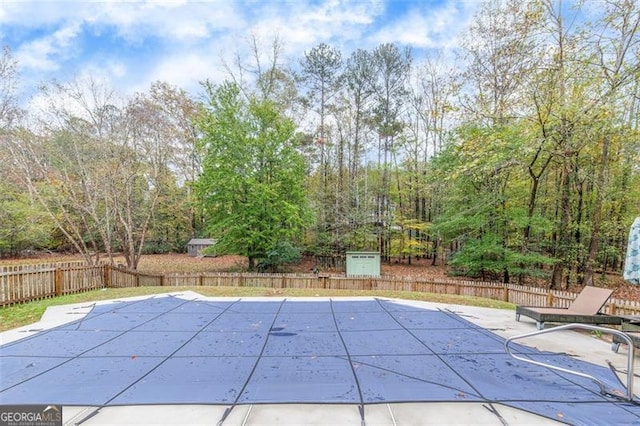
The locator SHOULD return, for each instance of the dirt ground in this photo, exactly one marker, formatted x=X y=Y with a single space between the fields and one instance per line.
x=182 y=262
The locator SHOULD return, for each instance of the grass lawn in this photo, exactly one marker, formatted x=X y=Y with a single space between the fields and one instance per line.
x=27 y=313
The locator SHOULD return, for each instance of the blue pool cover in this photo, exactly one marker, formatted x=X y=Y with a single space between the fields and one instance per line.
x=169 y=350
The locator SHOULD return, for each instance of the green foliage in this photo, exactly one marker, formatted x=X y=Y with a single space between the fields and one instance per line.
x=484 y=213
x=170 y=228
x=488 y=258
x=282 y=253
x=480 y=258
x=408 y=239
x=24 y=224
x=252 y=184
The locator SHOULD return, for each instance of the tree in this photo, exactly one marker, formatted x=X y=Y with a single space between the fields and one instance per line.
x=619 y=67
x=94 y=165
x=483 y=204
x=24 y=224
x=352 y=124
x=500 y=48
x=252 y=183
x=321 y=75
x=9 y=110
x=393 y=66
x=430 y=117
x=164 y=118
x=264 y=76
x=580 y=92
x=562 y=97
x=66 y=168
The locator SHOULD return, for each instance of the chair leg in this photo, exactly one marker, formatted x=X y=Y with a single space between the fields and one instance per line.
x=615 y=346
x=539 y=325
x=517 y=317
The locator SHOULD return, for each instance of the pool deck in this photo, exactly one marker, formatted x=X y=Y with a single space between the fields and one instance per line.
x=582 y=345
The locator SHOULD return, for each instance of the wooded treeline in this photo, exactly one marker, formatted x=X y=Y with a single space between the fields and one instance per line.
x=519 y=158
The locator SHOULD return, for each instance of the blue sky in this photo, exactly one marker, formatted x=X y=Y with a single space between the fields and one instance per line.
x=130 y=44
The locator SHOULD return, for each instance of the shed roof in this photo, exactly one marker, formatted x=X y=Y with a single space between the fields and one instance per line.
x=362 y=252
x=201 y=241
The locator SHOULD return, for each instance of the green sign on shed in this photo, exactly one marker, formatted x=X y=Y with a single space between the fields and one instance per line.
x=363 y=263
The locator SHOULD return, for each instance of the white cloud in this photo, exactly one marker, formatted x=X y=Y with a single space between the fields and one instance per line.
x=301 y=25
x=34 y=14
x=435 y=27
x=175 y=21
x=132 y=20
x=186 y=70
x=43 y=53
x=184 y=42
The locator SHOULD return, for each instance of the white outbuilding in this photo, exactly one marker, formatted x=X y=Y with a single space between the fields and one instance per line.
x=195 y=246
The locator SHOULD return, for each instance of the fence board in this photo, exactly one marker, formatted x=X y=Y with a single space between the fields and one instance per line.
x=23 y=286
x=81 y=279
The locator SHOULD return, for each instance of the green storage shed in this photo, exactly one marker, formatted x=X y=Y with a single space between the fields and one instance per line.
x=363 y=263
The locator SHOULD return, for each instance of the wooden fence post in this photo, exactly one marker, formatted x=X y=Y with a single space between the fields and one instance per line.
x=505 y=294
x=58 y=282
x=106 y=276
x=549 y=299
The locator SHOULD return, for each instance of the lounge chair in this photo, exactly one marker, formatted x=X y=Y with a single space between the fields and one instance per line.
x=584 y=309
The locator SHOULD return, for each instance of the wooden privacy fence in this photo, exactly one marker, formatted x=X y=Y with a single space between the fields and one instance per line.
x=32 y=284
x=40 y=266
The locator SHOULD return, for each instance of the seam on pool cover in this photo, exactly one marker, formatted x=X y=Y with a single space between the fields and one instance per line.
x=457 y=318
x=94 y=412
x=255 y=365
x=78 y=355
x=353 y=371
x=166 y=358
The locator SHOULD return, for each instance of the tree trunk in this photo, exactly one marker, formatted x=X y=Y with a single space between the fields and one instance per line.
x=597 y=215
x=557 y=280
